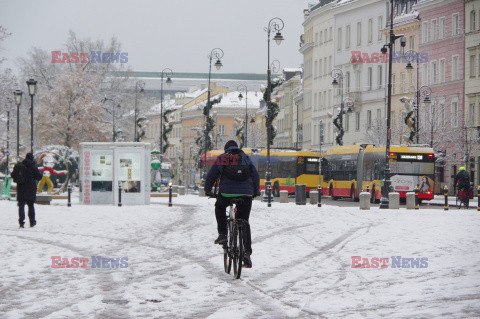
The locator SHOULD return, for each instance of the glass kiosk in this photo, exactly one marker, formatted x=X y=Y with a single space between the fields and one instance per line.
x=105 y=167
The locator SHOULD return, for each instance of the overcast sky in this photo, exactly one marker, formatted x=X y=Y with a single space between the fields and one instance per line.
x=178 y=34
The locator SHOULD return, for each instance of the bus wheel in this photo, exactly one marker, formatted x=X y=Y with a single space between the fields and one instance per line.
x=276 y=189
x=352 y=194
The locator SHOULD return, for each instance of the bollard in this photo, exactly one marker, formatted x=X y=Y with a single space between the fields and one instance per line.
x=69 y=190
x=394 y=200
x=364 y=200
x=319 y=196
x=170 y=195
x=417 y=205
x=410 y=200
x=478 y=195
x=445 y=193
x=313 y=197
x=120 y=195
x=283 y=196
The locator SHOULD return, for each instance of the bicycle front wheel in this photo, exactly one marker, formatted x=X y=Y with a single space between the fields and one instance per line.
x=237 y=252
x=227 y=261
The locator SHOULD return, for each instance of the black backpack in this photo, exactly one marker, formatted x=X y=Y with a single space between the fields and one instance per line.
x=233 y=168
x=19 y=173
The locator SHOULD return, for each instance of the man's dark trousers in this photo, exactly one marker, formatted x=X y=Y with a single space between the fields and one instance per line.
x=31 y=212
x=243 y=212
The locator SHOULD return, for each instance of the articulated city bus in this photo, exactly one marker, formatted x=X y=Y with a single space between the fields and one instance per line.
x=348 y=170
x=287 y=167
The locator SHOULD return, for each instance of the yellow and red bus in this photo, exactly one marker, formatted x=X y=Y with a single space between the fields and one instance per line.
x=348 y=170
x=288 y=168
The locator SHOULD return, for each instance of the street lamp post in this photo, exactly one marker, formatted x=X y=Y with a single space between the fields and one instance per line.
x=138 y=85
x=217 y=54
x=409 y=54
x=165 y=73
x=338 y=74
x=240 y=97
x=114 y=132
x=32 y=88
x=18 y=100
x=8 y=137
x=275 y=25
x=384 y=202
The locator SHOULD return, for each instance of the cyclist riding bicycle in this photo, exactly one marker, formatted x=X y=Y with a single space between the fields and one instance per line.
x=245 y=186
x=462 y=179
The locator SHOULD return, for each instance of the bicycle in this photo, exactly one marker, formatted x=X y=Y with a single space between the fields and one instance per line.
x=234 y=249
x=463 y=198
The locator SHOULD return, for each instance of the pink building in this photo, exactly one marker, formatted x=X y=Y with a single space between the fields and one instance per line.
x=442 y=37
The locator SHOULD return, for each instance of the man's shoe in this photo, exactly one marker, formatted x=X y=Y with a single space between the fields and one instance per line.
x=221 y=240
x=33 y=224
x=21 y=226
x=247 y=262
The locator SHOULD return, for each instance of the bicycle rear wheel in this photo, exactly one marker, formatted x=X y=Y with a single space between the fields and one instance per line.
x=237 y=250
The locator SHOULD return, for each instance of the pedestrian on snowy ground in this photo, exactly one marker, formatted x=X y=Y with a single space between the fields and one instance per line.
x=27 y=191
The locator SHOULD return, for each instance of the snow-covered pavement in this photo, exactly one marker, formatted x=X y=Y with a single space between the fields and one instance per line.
x=302 y=263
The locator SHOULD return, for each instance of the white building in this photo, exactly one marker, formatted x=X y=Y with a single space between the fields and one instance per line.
x=358 y=25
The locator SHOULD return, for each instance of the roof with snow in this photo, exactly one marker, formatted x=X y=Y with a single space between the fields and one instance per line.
x=231 y=100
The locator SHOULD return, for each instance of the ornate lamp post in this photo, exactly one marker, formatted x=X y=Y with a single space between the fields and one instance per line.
x=240 y=97
x=18 y=100
x=8 y=134
x=138 y=85
x=384 y=203
x=275 y=25
x=168 y=74
x=32 y=88
x=338 y=74
x=217 y=54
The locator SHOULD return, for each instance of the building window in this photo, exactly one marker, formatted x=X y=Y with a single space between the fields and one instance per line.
x=370 y=30
x=379 y=76
x=455 y=68
x=347 y=82
x=221 y=129
x=347 y=122
x=441 y=28
x=394 y=80
x=347 y=37
x=455 y=24
x=370 y=78
x=479 y=65
x=359 y=33
x=357 y=80
x=380 y=27
x=369 y=119
x=330 y=62
x=425 y=74
x=472 y=66
x=339 y=40
x=331 y=34
x=472 y=21
x=402 y=82
x=433 y=72
x=379 y=115
x=454 y=114
x=357 y=121
x=442 y=71
x=434 y=29
x=442 y=115
x=472 y=115
x=425 y=32
x=412 y=42
x=325 y=35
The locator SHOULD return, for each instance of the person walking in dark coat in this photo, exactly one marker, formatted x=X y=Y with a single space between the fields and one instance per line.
x=228 y=188
x=27 y=192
